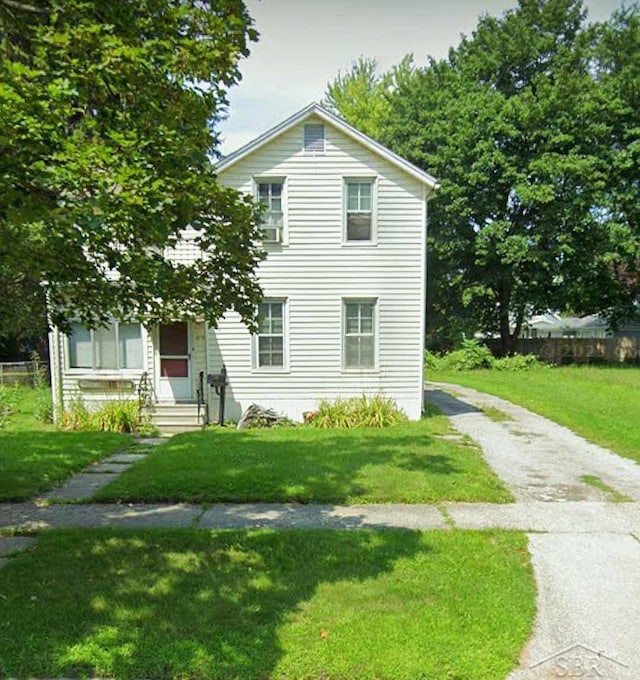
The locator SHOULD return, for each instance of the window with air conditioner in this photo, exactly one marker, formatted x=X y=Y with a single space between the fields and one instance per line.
x=271 y=197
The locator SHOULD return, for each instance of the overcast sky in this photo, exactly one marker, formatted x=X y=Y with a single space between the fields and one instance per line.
x=304 y=43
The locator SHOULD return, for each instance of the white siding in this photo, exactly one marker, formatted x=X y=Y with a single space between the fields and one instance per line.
x=314 y=271
x=73 y=379
x=96 y=386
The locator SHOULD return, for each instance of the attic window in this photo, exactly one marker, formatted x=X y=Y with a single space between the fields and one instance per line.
x=314 y=137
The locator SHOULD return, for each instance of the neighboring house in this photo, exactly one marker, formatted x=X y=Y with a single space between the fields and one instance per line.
x=553 y=325
x=343 y=283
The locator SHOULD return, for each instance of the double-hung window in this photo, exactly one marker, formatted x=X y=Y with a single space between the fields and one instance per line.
x=359 y=210
x=270 y=350
x=270 y=194
x=116 y=346
x=359 y=328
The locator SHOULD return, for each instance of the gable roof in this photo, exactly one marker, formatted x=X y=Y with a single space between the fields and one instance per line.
x=328 y=117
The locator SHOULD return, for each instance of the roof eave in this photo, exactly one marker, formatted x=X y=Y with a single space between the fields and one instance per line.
x=327 y=116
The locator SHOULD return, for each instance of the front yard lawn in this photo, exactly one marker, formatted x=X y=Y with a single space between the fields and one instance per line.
x=34 y=457
x=408 y=463
x=263 y=604
x=598 y=402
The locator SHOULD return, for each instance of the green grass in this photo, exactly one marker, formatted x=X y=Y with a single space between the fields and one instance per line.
x=265 y=604
x=614 y=495
x=34 y=457
x=496 y=414
x=600 y=403
x=405 y=463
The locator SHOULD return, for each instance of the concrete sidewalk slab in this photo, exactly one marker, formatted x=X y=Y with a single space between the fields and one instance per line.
x=128 y=458
x=83 y=485
x=562 y=517
x=588 y=618
x=288 y=516
x=32 y=517
x=107 y=466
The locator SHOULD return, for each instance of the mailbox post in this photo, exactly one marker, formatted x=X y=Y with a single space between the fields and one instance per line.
x=219 y=383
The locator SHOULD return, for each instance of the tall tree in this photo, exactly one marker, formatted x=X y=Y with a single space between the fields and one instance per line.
x=107 y=115
x=361 y=94
x=517 y=126
x=617 y=270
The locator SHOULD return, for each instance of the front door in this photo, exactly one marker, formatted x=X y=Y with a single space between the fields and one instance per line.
x=174 y=381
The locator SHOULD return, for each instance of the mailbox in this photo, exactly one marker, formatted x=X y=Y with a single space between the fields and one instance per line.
x=219 y=383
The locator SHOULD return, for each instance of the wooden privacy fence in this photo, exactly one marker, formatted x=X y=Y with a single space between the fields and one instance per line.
x=21 y=372
x=579 y=350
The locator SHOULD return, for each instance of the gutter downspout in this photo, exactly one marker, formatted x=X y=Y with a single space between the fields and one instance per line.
x=427 y=196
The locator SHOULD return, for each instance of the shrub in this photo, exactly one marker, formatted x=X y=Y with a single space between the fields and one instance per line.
x=432 y=361
x=120 y=415
x=5 y=406
x=470 y=357
x=76 y=416
x=473 y=356
x=376 y=411
x=517 y=362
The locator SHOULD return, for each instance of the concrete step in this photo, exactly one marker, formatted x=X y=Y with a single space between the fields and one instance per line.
x=173 y=408
x=171 y=418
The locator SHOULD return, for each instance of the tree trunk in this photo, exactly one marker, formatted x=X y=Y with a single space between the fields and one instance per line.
x=506 y=340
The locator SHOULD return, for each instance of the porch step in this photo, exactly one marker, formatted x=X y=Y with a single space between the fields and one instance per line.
x=171 y=418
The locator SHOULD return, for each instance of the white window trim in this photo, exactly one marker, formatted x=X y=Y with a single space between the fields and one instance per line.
x=263 y=179
x=255 y=367
x=110 y=372
x=374 y=211
x=376 y=334
x=324 y=140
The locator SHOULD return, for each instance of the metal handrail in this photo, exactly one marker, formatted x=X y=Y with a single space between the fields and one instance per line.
x=200 y=399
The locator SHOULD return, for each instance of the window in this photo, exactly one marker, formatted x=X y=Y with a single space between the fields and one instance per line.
x=270 y=342
x=359 y=349
x=113 y=347
x=314 y=137
x=359 y=209
x=270 y=196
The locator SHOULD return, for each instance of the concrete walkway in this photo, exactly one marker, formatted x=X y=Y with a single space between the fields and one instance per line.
x=585 y=549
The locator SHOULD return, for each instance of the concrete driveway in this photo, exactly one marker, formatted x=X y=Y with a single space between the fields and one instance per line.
x=587 y=563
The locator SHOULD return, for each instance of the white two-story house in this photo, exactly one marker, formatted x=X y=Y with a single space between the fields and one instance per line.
x=344 y=289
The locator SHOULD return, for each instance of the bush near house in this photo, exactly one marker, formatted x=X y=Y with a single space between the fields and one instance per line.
x=364 y=411
x=473 y=356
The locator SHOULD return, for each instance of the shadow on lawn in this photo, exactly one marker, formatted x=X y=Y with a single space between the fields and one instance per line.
x=303 y=466
x=32 y=462
x=178 y=604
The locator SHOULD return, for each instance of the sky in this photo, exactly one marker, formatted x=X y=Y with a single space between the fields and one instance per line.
x=305 y=43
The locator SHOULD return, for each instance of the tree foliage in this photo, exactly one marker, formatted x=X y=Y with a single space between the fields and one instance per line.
x=531 y=126
x=107 y=114
x=361 y=95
